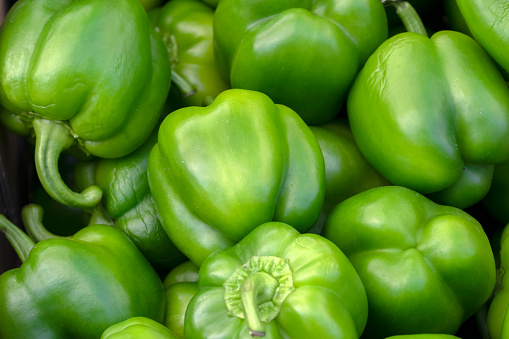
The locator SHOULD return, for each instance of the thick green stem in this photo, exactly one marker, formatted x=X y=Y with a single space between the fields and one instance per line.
x=184 y=87
x=32 y=219
x=255 y=289
x=408 y=16
x=21 y=242
x=100 y=217
x=51 y=139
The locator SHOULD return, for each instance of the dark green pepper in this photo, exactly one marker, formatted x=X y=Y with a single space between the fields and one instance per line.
x=498 y=314
x=186 y=28
x=77 y=287
x=277 y=283
x=303 y=54
x=218 y=172
x=426 y=267
x=346 y=171
x=128 y=202
x=138 y=327
x=85 y=74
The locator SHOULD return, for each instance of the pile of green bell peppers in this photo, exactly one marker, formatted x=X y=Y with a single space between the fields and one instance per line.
x=255 y=168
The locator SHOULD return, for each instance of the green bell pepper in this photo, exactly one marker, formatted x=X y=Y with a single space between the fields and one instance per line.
x=488 y=23
x=76 y=287
x=127 y=201
x=425 y=123
x=180 y=286
x=85 y=74
x=218 y=172
x=303 y=54
x=426 y=267
x=186 y=28
x=498 y=313
x=346 y=171
x=138 y=327
x=277 y=283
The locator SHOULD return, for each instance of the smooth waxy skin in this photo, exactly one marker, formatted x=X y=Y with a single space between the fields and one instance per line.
x=488 y=23
x=320 y=47
x=138 y=327
x=78 y=287
x=346 y=171
x=128 y=202
x=426 y=267
x=67 y=72
x=327 y=299
x=442 y=133
x=180 y=286
x=186 y=26
x=498 y=315
x=218 y=172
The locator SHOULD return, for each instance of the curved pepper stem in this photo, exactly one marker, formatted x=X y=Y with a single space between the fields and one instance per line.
x=21 y=242
x=184 y=87
x=51 y=139
x=255 y=288
x=32 y=219
x=408 y=16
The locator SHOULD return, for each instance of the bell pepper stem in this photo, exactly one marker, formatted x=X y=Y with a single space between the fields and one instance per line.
x=21 y=242
x=51 y=139
x=32 y=219
x=258 y=286
x=100 y=217
x=408 y=15
x=184 y=87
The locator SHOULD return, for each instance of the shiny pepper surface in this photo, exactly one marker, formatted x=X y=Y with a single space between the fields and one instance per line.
x=426 y=123
x=83 y=73
x=77 y=287
x=426 y=267
x=218 y=172
x=277 y=283
x=303 y=54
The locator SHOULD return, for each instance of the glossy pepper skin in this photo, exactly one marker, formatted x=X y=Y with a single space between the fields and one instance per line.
x=320 y=47
x=180 y=286
x=426 y=267
x=69 y=77
x=442 y=134
x=185 y=26
x=218 y=172
x=138 y=327
x=319 y=294
x=346 y=170
x=498 y=315
x=78 y=287
x=127 y=200
x=488 y=23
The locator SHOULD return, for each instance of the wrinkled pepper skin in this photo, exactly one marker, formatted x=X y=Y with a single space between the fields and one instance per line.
x=319 y=49
x=440 y=135
x=180 y=286
x=346 y=170
x=128 y=202
x=426 y=267
x=488 y=23
x=186 y=27
x=498 y=313
x=138 y=327
x=78 y=287
x=69 y=77
x=218 y=172
x=319 y=294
